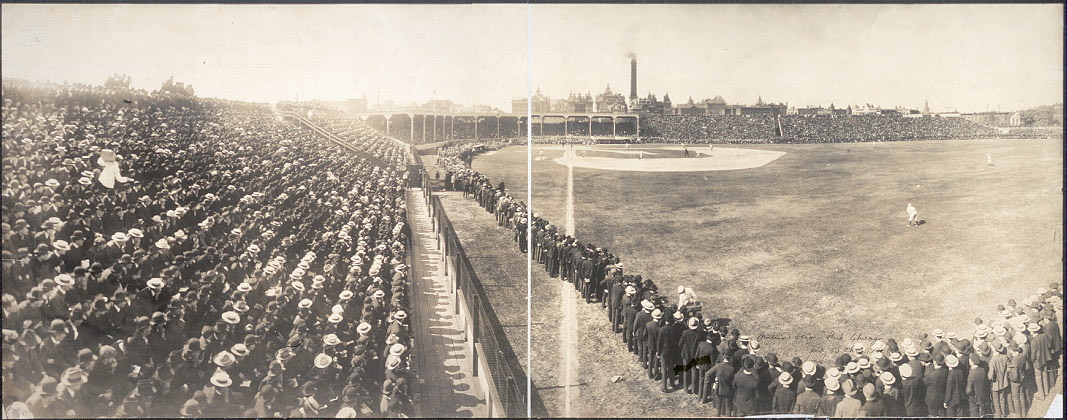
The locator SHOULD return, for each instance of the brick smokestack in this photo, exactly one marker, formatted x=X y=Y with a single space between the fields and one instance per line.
x=633 y=78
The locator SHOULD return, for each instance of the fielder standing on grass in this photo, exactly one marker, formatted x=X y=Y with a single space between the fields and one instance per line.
x=913 y=216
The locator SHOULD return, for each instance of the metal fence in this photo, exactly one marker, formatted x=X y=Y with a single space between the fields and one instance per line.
x=485 y=335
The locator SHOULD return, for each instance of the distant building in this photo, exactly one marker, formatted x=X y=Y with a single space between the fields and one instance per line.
x=1016 y=119
x=760 y=108
x=689 y=108
x=437 y=105
x=356 y=106
x=715 y=106
x=538 y=103
x=574 y=103
x=651 y=105
x=610 y=101
x=995 y=119
x=865 y=109
x=818 y=110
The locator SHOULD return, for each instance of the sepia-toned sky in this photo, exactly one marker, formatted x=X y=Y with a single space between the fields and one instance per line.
x=965 y=57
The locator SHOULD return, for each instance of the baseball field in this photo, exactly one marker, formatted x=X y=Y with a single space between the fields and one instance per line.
x=807 y=250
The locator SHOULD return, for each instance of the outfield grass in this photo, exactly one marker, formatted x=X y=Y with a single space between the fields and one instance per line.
x=812 y=251
x=808 y=253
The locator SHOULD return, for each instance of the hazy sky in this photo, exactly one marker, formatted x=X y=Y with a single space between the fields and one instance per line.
x=964 y=57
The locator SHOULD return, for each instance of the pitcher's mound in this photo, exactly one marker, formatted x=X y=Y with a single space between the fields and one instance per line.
x=723 y=159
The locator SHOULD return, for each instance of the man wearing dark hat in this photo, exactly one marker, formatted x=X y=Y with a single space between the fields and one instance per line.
x=808 y=400
x=670 y=351
x=56 y=351
x=719 y=385
x=936 y=381
x=978 y=387
x=1040 y=354
x=42 y=400
x=745 y=389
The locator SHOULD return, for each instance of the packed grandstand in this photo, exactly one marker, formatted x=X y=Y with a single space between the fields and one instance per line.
x=167 y=255
x=223 y=258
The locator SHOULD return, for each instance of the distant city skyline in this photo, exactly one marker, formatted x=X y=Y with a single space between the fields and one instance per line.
x=805 y=55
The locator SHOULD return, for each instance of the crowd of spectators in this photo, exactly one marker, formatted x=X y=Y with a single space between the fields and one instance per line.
x=863 y=128
x=1033 y=133
x=997 y=369
x=709 y=129
x=168 y=255
x=368 y=140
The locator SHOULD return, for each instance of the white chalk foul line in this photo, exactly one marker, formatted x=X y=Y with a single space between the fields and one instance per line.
x=568 y=307
x=569 y=225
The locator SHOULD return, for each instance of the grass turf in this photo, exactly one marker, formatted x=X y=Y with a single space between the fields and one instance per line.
x=812 y=251
x=808 y=254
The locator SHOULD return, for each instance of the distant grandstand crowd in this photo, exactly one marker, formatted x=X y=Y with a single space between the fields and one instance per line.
x=997 y=369
x=811 y=129
x=166 y=255
x=705 y=129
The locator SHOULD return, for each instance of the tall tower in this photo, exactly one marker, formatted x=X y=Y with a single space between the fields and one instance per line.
x=633 y=78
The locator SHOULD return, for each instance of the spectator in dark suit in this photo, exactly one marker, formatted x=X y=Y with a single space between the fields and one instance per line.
x=719 y=384
x=670 y=351
x=1017 y=365
x=784 y=397
x=808 y=400
x=1000 y=386
x=873 y=405
x=706 y=356
x=912 y=393
x=955 y=388
x=1041 y=350
x=978 y=387
x=745 y=389
x=651 y=337
x=689 y=342
x=936 y=384
x=828 y=403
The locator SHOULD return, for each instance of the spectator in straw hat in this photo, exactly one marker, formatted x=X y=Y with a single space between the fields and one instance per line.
x=649 y=337
x=1040 y=355
x=873 y=405
x=912 y=392
x=833 y=396
x=689 y=342
x=784 y=398
x=849 y=406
